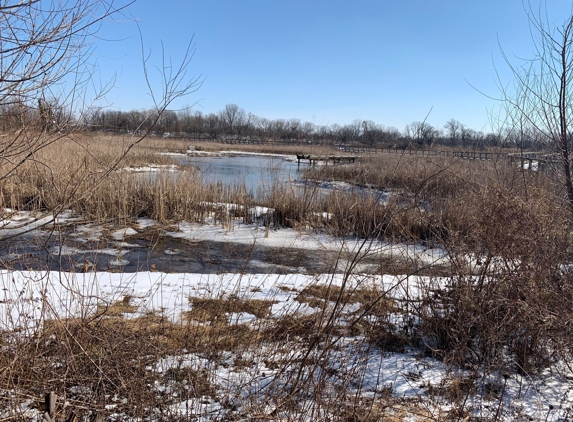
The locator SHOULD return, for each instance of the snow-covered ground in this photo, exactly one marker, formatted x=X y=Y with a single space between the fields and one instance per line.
x=28 y=298
x=356 y=367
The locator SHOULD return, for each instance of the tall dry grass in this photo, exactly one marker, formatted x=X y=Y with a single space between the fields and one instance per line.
x=431 y=199
x=504 y=307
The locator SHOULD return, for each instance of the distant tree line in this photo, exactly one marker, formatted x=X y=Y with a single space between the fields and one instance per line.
x=234 y=122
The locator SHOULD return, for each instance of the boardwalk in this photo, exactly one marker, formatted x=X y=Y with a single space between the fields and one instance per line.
x=535 y=161
x=526 y=160
x=469 y=155
x=313 y=159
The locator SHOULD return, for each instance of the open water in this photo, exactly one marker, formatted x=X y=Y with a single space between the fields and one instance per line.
x=257 y=173
x=254 y=171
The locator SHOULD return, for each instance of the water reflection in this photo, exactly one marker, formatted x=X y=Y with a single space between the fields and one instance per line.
x=254 y=171
x=259 y=173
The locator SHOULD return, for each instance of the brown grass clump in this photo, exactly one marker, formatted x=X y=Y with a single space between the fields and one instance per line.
x=515 y=247
x=107 y=363
x=293 y=327
x=373 y=301
x=102 y=362
x=416 y=176
x=213 y=310
x=118 y=308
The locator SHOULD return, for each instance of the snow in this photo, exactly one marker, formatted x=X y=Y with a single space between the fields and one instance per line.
x=145 y=223
x=245 y=234
x=256 y=211
x=531 y=165
x=27 y=298
x=152 y=168
x=121 y=234
x=24 y=223
x=240 y=153
x=87 y=232
x=172 y=154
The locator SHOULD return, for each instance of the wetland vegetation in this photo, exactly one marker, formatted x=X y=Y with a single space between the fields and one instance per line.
x=135 y=285
x=480 y=251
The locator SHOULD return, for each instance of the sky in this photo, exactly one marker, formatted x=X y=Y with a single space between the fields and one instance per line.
x=323 y=61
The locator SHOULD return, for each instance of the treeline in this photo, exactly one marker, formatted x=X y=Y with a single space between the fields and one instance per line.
x=234 y=122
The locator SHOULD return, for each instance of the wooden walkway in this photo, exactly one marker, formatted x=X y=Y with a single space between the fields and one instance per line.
x=468 y=155
x=533 y=161
x=336 y=159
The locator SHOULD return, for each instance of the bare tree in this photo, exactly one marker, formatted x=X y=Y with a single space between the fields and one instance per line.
x=308 y=130
x=421 y=132
x=541 y=96
x=294 y=126
x=45 y=72
x=43 y=43
x=370 y=132
x=232 y=116
x=212 y=124
x=453 y=129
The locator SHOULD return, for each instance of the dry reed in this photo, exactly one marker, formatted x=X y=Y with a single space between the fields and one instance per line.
x=505 y=306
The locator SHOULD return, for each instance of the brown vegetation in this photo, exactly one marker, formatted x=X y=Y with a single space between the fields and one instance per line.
x=505 y=305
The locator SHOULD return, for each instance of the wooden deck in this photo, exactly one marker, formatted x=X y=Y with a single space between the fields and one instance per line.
x=336 y=159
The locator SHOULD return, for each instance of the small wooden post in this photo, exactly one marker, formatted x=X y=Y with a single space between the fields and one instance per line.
x=49 y=416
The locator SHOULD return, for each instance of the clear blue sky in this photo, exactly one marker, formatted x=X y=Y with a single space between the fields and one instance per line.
x=326 y=61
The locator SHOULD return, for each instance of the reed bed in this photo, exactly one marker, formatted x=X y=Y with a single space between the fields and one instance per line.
x=182 y=145
x=504 y=307
x=426 y=178
x=411 y=198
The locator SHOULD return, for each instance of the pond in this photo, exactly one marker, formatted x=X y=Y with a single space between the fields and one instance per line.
x=156 y=252
x=259 y=172
x=256 y=172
